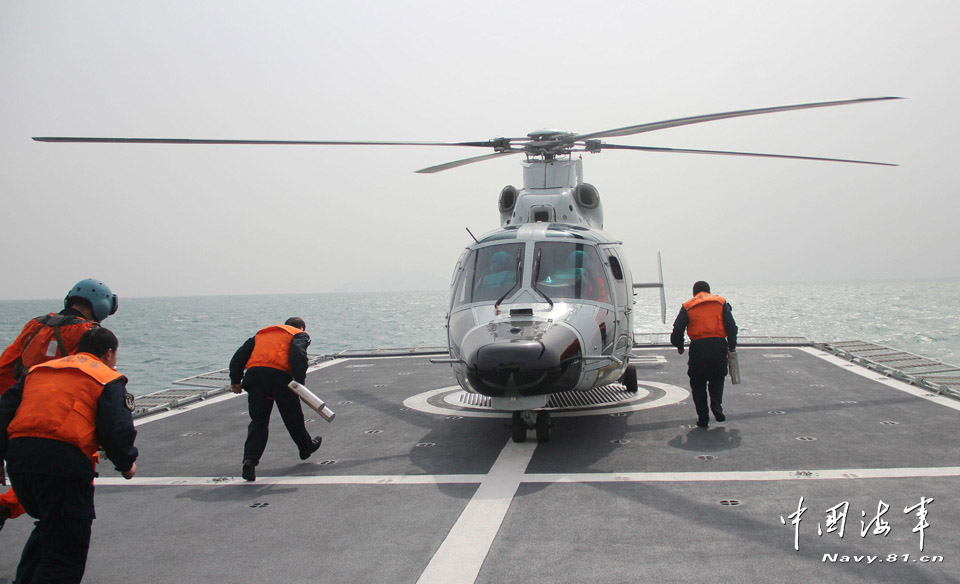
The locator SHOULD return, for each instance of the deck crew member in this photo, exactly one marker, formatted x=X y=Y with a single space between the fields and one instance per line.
x=48 y=337
x=708 y=320
x=271 y=358
x=52 y=423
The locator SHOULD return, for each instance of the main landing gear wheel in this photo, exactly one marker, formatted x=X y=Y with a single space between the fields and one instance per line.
x=518 y=428
x=524 y=420
x=629 y=379
x=543 y=426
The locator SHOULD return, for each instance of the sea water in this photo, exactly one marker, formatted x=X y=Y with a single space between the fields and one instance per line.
x=165 y=339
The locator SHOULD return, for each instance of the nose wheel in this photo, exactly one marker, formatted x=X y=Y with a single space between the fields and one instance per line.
x=629 y=379
x=529 y=420
x=543 y=426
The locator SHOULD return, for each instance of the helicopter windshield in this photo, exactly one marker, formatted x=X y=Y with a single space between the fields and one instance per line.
x=570 y=271
x=489 y=274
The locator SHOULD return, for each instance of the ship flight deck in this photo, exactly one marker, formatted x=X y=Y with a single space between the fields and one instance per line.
x=416 y=482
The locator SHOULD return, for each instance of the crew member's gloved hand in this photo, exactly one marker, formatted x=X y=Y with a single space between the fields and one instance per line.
x=680 y=350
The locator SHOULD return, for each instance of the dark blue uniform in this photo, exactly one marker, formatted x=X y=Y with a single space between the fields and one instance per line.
x=707 y=363
x=54 y=482
x=266 y=385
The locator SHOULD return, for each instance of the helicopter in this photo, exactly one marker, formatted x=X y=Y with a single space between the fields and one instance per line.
x=544 y=304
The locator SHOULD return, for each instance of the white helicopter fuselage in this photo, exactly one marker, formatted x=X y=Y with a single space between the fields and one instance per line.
x=544 y=304
x=531 y=344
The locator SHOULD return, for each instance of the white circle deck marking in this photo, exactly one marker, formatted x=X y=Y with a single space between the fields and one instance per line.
x=444 y=406
x=454 y=399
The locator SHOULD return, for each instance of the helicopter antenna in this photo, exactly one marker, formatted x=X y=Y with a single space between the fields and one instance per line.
x=472 y=235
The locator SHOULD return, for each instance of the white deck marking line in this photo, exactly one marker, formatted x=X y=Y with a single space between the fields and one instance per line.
x=566 y=478
x=294 y=480
x=212 y=400
x=748 y=476
x=888 y=381
x=184 y=409
x=461 y=555
x=381 y=357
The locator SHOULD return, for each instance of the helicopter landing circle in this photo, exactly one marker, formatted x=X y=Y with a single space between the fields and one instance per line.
x=445 y=402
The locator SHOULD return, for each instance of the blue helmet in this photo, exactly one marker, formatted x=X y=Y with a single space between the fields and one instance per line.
x=103 y=302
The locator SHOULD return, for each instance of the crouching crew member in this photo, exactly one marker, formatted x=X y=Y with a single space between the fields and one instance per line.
x=48 y=337
x=51 y=425
x=708 y=320
x=271 y=358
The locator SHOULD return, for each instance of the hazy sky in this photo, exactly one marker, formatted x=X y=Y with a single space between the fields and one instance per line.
x=158 y=220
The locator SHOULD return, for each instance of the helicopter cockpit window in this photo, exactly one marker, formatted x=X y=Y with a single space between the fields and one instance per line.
x=570 y=271
x=489 y=274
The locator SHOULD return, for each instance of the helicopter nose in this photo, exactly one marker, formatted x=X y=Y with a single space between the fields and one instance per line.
x=533 y=365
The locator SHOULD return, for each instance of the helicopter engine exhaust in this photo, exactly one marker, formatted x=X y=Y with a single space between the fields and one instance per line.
x=507 y=203
x=588 y=200
x=522 y=359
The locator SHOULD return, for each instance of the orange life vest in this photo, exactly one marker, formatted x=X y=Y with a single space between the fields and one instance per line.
x=272 y=347
x=60 y=401
x=42 y=339
x=705 y=312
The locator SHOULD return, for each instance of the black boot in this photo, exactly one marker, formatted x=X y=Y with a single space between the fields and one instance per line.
x=248 y=470
x=314 y=445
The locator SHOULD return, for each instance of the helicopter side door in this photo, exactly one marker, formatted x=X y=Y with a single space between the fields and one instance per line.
x=623 y=294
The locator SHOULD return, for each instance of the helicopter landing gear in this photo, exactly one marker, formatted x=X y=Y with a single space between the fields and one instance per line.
x=629 y=379
x=543 y=426
x=518 y=427
x=524 y=420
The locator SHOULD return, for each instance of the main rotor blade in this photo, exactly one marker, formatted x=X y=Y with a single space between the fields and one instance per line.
x=728 y=153
x=465 y=161
x=484 y=143
x=653 y=126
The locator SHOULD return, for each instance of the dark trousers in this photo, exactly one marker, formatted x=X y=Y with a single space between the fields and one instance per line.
x=700 y=386
x=56 y=550
x=260 y=405
x=707 y=366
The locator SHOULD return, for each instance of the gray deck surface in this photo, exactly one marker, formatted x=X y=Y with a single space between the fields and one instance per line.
x=396 y=494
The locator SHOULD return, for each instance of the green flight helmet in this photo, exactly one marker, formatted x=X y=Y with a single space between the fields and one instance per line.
x=102 y=300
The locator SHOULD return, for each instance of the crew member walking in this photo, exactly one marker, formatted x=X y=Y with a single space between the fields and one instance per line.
x=708 y=320
x=48 y=337
x=51 y=425
x=271 y=358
